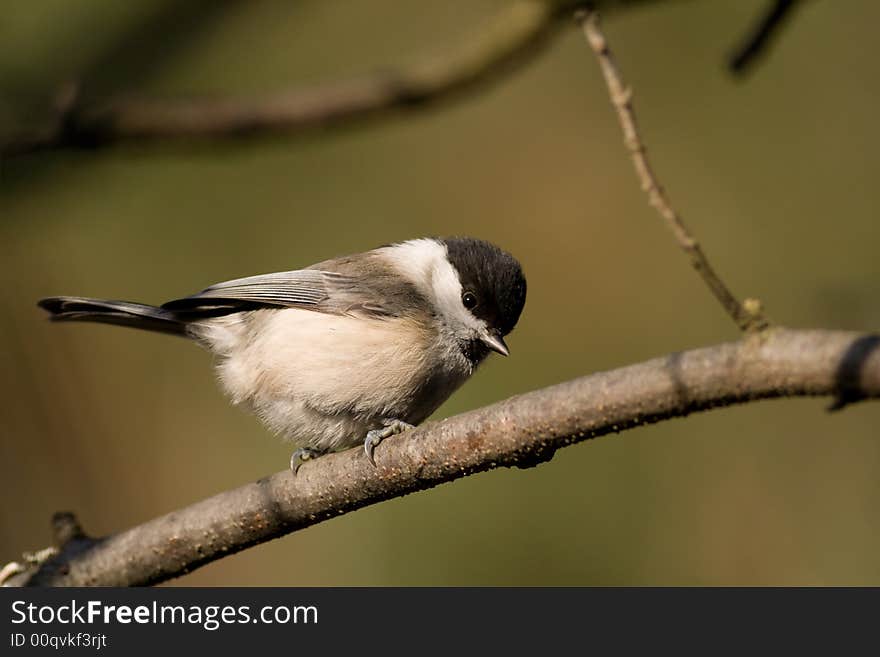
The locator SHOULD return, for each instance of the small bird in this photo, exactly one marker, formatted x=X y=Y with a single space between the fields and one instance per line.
x=349 y=350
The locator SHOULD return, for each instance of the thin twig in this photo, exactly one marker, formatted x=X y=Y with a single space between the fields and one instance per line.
x=31 y=561
x=758 y=40
x=521 y=431
x=748 y=316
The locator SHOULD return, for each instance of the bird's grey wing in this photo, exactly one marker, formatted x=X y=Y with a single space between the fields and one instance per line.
x=309 y=289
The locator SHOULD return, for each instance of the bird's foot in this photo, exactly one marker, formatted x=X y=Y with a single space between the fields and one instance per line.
x=302 y=455
x=376 y=436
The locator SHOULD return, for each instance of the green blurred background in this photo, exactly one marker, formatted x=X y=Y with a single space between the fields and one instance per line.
x=776 y=174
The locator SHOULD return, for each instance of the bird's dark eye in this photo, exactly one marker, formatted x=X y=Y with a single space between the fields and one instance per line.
x=469 y=299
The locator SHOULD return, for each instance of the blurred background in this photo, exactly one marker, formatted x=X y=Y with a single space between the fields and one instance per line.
x=776 y=174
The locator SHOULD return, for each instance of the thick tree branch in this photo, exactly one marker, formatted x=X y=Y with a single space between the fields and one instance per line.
x=521 y=431
x=747 y=315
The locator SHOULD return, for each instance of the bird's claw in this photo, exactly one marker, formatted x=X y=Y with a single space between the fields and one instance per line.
x=376 y=436
x=302 y=455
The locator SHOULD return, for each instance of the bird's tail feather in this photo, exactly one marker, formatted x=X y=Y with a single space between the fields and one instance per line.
x=120 y=313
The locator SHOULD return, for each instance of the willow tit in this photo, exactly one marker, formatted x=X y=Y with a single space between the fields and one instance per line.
x=349 y=350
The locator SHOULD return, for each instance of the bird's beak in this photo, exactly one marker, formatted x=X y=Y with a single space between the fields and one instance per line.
x=496 y=344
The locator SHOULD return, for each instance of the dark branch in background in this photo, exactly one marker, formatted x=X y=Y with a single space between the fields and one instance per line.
x=510 y=36
x=522 y=431
x=747 y=315
x=124 y=59
x=758 y=40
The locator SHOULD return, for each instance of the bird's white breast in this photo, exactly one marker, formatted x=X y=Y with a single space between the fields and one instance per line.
x=324 y=380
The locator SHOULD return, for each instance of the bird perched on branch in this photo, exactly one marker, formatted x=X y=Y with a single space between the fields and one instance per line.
x=349 y=350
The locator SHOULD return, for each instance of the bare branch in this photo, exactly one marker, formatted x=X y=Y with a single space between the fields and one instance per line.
x=521 y=431
x=748 y=315
x=758 y=40
x=507 y=38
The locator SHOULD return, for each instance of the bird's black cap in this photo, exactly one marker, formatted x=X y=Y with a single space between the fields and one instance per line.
x=494 y=276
